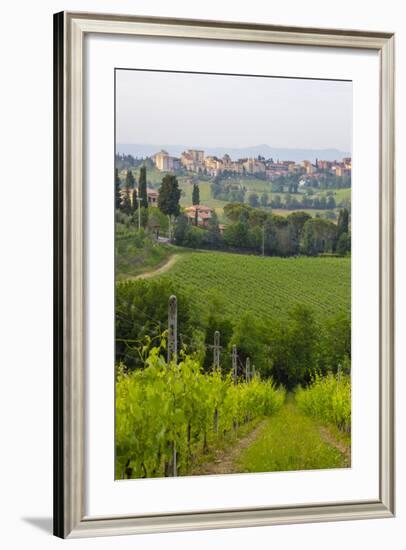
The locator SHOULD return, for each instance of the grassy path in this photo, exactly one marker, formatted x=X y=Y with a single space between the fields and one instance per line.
x=293 y=441
x=161 y=269
x=288 y=441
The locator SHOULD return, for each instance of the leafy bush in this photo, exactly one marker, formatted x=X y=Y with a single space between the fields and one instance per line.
x=328 y=399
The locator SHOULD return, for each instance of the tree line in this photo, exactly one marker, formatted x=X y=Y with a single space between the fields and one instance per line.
x=291 y=351
x=292 y=202
x=259 y=231
x=250 y=229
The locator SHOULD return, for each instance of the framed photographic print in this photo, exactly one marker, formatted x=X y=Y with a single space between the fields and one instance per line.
x=224 y=220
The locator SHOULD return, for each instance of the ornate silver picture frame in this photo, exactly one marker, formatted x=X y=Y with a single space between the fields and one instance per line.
x=70 y=519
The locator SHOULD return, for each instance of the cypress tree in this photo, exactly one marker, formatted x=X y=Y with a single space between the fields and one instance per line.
x=169 y=196
x=117 y=194
x=195 y=194
x=126 y=204
x=143 y=187
x=129 y=179
x=342 y=224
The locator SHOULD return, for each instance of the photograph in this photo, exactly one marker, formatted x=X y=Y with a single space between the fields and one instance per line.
x=232 y=205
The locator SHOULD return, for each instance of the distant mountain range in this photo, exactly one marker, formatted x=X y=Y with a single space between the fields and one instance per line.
x=146 y=150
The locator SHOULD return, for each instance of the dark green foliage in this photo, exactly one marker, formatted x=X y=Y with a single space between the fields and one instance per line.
x=297 y=233
x=343 y=245
x=192 y=236
x=335 y=346
x=225 y=327
x=188 y=235
x=227 y=191
x=318 y=236
x=181 y=229
x=233 y=210
x=257 y=217
x=126 y=205
x=129 y=180
x=169 y=196
x=331 y=203
x=144 y=217
x=343 y=222
x=253 y=200
x=143 y=187
x=214 y=238
x=195 y=194
x=295 y=347
x=236 y=235
x=217 y=320
x=264 y=199
x=252 y=340
x=157 y=222
x=117 y=186
x=296 y=222
x=142 y=317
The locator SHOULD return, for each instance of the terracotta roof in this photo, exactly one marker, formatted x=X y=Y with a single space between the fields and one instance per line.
x=200 y=207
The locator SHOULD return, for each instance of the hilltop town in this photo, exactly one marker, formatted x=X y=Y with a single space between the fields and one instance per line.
x=194 y=160
x=320 y=187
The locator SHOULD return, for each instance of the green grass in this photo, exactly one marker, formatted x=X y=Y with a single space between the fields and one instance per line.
x=205 y=198
x=136 y=255
x=290 y=441
x=259 y=186
x=338 y=194
x=311 y=211
x=154 y=176
x=269 y=286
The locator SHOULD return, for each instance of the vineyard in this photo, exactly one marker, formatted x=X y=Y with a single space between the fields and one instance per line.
x=200 y=389
x=169 y=414
x=328 y=399
x=269 y=286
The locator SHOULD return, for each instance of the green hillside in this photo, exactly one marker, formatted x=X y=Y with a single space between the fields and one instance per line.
x=269 y=286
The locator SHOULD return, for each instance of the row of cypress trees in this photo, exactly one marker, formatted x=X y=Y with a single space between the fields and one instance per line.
x=129 y=201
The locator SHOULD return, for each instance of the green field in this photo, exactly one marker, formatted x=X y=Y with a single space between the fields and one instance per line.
x=313 y=212
x=154 y=176
x=269 y=286
x=339 y=194
x=205 y=197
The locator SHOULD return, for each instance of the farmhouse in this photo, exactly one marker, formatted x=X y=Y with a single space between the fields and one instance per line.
x=152 y=195
x=200 y=213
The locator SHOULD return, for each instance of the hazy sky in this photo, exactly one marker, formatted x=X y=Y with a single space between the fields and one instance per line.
x=232 y=111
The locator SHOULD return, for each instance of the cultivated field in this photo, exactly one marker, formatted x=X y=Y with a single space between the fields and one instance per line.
x=269 y=286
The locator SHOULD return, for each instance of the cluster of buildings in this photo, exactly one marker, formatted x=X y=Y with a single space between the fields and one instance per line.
x=152 y=195
x=200 y=215
x=194 y=160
